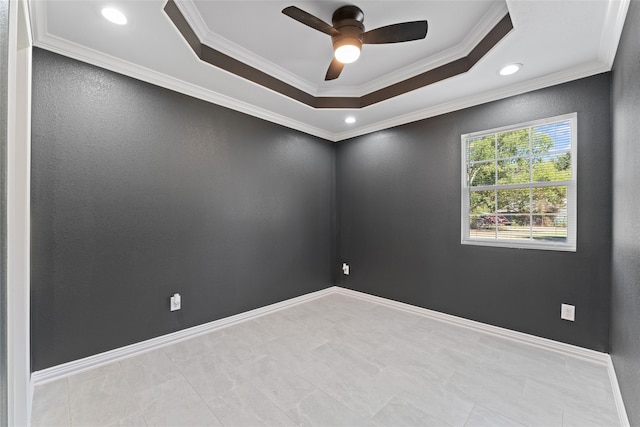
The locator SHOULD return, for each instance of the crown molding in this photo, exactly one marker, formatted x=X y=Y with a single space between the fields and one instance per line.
x=38 y=17
x=488 y=96
x=613 y=25
x=81 y=53
x=609 y=42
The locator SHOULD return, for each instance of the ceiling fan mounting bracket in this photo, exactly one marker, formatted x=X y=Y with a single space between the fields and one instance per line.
x=347 y=13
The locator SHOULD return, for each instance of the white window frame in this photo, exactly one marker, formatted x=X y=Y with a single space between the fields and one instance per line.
x=571 y=184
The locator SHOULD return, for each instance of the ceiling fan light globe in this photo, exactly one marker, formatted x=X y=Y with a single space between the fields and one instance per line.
x=347 y=53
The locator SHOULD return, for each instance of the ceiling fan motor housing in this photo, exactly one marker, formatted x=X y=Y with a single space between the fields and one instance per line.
x=348 y=21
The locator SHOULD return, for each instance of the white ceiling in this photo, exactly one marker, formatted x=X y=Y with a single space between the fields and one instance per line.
x=557 y=41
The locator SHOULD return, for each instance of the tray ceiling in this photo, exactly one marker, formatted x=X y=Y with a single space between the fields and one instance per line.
x=556 y=41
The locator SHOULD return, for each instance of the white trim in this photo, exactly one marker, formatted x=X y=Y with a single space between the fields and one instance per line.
x=571 y=242
x=519 y=244
x=482 y=98
x=76 y=366
x=485 y=24
x=81 y=53
x=61 y=371
x=617 y=395
x=612 y=31
x=216 y=41
x=46 y=41
x=210 y=38
x=80 y=365
x=521 y=337
x=18 y=214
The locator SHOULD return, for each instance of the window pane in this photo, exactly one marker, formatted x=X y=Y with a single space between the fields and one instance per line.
x=513 y=201
x=481 y=148
x=514 y=143
x=481 y=174
x=551 y=228
x=481 y=228
x=552 y=167
x=527 y=180
x=482 y=202
x=520 y=221
x=550 y=200
x=554 y=136
x=514 y=171
x=518 y=228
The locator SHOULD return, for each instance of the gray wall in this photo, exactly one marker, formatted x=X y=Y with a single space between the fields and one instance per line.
x=399 y=221
x=139 y=192
x=625 y=295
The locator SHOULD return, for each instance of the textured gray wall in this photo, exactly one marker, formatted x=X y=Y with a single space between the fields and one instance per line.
x=625 y=295
x=399 y=221
x=140 y=192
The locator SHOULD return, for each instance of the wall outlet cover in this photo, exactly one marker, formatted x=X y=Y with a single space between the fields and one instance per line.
x=568 y=312
x=345 y=268
x=175 y=302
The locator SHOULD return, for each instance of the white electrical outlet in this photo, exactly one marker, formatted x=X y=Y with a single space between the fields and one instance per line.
x=175 y=302
x=345 y=268
x=568 y=312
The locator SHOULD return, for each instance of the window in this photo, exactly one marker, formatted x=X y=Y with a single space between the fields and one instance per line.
x=519 y=185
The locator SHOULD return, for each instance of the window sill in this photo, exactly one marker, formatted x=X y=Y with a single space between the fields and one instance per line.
x=547 y=246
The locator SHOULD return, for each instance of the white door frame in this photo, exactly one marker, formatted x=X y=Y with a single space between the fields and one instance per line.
x=19 y=387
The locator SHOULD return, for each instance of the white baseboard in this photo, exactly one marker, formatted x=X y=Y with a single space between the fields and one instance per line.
x=547 y=344
x=617 y=395
x=77 y=366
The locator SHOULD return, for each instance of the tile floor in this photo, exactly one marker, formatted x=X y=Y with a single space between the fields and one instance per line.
x=336 y=360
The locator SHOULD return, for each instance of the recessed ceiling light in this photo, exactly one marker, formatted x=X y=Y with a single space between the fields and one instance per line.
x=510 y=69
x=114 y=15
x=350 y=120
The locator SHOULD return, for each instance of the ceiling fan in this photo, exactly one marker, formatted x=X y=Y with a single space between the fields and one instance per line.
x=348 y=35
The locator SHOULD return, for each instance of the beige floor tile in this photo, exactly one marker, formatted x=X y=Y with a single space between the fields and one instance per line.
x=247 y=406
x=333 y=361
x=148 y=370
x=101 y=401
x=51 y=405
x=483 y=417
x=319 y=409
x=401 y=414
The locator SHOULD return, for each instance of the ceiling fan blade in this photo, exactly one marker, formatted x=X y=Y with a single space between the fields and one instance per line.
x=396 y=33
x=308 y=19
x=335 y=68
